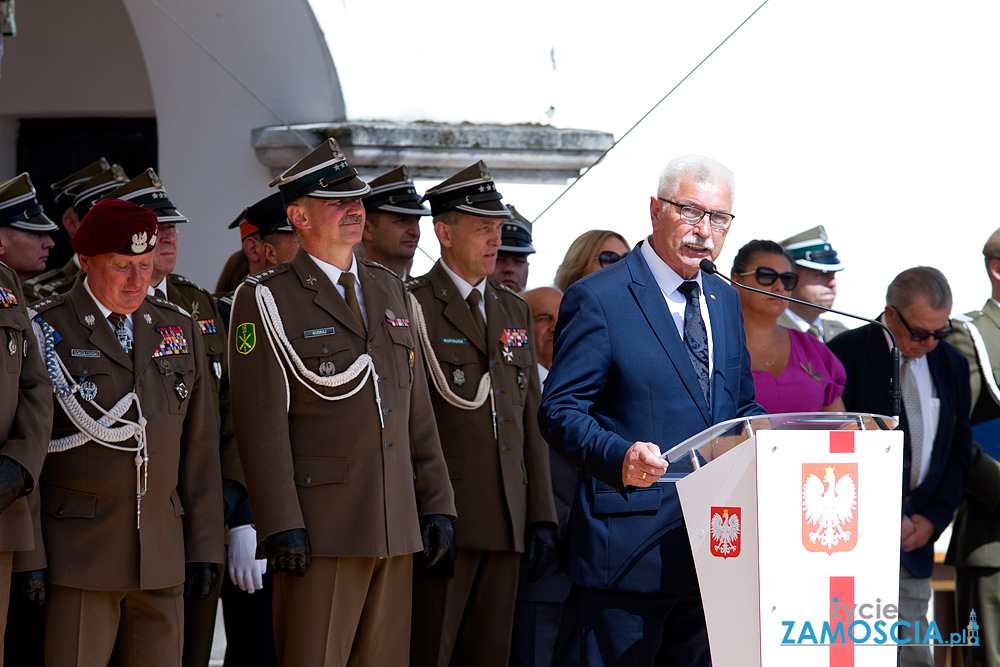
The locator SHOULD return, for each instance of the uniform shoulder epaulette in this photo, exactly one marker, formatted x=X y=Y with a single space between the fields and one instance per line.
x=269 y=273
x=968 y=317
x=500 y=287
x=413 y=283
x=163 y=303
x=368 y=262
x=43 y=277
x=47 y=303
x=226 y=298
x=178 y=279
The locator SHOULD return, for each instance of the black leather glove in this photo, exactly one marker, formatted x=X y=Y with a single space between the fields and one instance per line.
x=440 y=547
x=30 y=586
x=438 y=535
x=289 y=551
x=14 y=482
x=201 y=579
x=541 y=549
x=233 y=494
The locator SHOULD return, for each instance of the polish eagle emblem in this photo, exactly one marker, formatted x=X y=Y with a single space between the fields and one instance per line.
x=139 y=243
x=828 y=507
x=725 y=532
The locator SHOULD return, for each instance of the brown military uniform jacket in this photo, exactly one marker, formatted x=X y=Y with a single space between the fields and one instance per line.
x=329 y=466
x=48 y=283
x=88 y=493
x=975 y=537
x=25 y=406
x=502 y=484
x=200 y=304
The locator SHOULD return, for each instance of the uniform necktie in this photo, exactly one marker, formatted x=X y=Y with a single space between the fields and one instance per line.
x=814 y=331
x=695 y=334
x=914 y=419
x=346 y=281
x=121 y=331
x=473 y=300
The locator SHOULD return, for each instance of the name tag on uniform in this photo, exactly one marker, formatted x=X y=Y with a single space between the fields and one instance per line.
x=313 y=333
x=90 y=354
x=454 y=341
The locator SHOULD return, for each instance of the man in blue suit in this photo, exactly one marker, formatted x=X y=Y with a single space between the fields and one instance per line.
x=649 y=352
x=937 y=441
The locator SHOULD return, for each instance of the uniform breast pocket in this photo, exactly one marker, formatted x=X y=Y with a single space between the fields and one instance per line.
x=325 y=356
x=13 y=323
x=403 y=351
x=460 y=365
x=517 y=372
x=215 y=343
x=176 y=373
x=93 y=374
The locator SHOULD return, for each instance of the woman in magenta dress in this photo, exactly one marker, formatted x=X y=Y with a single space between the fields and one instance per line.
x=792 y=371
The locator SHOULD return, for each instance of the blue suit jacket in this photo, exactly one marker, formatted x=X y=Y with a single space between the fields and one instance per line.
x=621 y=374
x=865 y=356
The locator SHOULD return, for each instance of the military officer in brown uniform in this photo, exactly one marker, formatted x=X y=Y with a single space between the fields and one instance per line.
x=25 y=419
x=85 y=193
x=335 y=430
x=477 y=340
x=392 y=221
x=63 y=193
x=147 y=191
x=131 y=504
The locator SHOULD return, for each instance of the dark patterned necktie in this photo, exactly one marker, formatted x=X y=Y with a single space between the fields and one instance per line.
x=121 y=331
x=695 y=335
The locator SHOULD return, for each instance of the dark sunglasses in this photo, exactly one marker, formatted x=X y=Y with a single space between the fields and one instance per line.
x=921 y=336
x=607 y=258
x=766 y=277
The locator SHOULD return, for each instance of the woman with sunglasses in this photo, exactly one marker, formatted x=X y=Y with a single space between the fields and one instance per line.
x=590 y=252
x=792 y=371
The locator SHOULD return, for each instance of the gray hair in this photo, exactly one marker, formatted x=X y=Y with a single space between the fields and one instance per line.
x=920 y=281
x=702 y=169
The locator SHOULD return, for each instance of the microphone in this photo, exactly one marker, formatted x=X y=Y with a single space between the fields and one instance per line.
x=895 y=397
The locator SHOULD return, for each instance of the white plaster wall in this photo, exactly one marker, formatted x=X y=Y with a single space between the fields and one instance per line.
x=205 y=116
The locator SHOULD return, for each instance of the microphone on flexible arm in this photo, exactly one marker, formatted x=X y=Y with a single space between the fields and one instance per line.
x=895 y=399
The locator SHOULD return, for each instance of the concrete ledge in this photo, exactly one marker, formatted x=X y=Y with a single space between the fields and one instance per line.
x=514 y=153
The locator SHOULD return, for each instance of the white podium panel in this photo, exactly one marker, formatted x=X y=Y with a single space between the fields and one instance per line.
x=833 y=507
x=780 y=526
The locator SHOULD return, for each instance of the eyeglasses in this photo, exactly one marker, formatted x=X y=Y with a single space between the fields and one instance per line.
x=921 y=336
x=766 y=276
x=693 y=215
x=607 y=258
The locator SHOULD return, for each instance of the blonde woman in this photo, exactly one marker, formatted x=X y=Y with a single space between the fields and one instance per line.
x=590 y=252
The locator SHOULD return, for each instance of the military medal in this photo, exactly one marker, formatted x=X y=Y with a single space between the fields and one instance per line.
x=217 y=367
x=12 y=346
x=173 y=342
x=88 y=390
x=411 y=358
x=458 y=376
x=207 y=327
x=522 y=381
x=507 y=354
x=327 y=369
x=7 y=298
x=181 y=389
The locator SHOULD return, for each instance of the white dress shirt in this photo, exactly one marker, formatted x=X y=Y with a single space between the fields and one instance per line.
x=930 y=405
x=465 y=287
x=106 y=312
x=333 y=274
x=668 y=280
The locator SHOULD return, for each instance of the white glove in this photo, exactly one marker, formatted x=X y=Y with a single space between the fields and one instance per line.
x=245 y=571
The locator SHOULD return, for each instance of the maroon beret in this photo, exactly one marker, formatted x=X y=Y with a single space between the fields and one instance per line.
x=114 y=225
